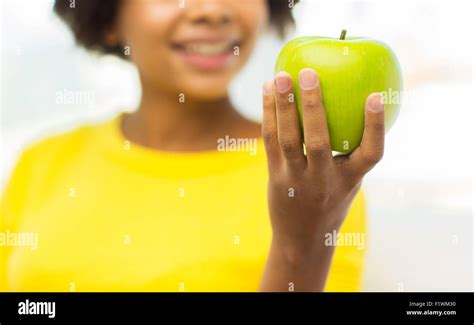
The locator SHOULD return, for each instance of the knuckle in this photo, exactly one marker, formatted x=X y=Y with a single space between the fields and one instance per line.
x=310 y=103
x=278 y=182
x=322 y=197
x=285 y=100
x=288 y=146
x=317 y=147
x=269 y=136
x=284 y=105
x=373 y=157
x=282 y=187
x=266 y=104
x=378 y=127
x=267 y=101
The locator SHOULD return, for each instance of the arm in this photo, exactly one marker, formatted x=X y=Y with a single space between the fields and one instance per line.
x=309 y=194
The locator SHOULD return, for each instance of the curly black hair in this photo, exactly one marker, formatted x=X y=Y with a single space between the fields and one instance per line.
x=88 y=20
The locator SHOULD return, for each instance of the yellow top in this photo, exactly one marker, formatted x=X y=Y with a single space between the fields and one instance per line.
x=88 y=211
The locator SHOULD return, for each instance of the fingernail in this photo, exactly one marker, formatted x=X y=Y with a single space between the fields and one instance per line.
x=267 y=87
x=282 y=82
x=376 y=102
x=307 y=79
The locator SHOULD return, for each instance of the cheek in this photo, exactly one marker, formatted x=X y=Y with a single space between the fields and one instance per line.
x=254 y=17
x=144 y=25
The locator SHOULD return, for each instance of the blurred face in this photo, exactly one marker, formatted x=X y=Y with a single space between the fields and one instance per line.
x=194 y=47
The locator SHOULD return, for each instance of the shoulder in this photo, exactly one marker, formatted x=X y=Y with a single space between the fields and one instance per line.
x=41 y=163
x=70 y=140
x=40 y=158
x=63 y=144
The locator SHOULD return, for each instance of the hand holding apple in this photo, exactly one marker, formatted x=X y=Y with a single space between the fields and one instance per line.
x=339 y=106
x=309 y=194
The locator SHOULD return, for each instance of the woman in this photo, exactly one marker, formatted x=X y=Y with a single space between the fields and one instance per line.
x=147 y=201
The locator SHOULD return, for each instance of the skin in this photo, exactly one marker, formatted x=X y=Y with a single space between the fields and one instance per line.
x=149 y=28
x=324 y=186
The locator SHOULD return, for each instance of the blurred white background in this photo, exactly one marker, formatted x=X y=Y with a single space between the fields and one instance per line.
x=420 y=196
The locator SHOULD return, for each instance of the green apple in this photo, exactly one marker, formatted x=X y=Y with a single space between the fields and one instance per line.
x=349 y=70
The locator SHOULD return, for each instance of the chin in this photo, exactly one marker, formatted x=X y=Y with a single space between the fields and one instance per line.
x=206 y=95
x=207 y=90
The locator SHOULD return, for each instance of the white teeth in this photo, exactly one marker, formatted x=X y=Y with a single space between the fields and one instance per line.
x=208 y=49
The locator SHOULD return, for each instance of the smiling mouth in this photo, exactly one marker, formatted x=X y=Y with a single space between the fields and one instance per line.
x=207 y=48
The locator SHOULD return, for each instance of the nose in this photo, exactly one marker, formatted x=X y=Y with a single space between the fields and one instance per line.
x=213 y=13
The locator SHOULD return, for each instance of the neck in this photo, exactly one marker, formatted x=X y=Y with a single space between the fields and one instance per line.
x=164 y=122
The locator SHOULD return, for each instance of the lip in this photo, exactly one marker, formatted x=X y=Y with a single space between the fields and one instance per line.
x=206 y=62
x=206 y=38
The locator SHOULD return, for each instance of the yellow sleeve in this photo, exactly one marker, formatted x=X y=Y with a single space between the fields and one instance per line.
x=348 y=262
x=12 y=201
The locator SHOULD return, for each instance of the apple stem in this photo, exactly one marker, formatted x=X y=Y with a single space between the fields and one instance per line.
x=343 y=35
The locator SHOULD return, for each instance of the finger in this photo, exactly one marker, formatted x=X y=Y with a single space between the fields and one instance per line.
x=316 y=135
x=289 y=134
x=269 y=124
x=371 y=149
